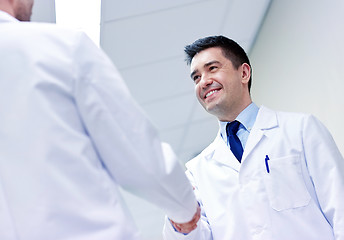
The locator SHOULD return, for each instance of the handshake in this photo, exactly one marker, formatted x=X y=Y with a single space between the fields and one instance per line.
x=188 y=226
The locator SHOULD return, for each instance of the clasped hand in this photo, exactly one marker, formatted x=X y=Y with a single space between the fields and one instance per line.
x=188 y=226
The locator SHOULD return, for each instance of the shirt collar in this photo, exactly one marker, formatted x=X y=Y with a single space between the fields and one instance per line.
x=5 y=17
x=247 y=118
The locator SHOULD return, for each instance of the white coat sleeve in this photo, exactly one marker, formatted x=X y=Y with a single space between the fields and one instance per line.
x=203 y=230
x=125 y=140
x=326 y=168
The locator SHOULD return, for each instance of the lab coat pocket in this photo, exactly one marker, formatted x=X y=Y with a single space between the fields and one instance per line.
x=285 y=184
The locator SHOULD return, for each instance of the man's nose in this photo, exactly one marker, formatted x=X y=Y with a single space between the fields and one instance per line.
x=206 y=81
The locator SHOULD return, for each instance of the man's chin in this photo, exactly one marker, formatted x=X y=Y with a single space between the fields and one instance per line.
x=210 y=108
x=214 y=109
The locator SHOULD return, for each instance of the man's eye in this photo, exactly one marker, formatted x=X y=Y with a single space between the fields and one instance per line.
x=212 y=68
x=195 y=78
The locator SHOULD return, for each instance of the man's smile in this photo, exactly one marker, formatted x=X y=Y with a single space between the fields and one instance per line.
x=210 y=93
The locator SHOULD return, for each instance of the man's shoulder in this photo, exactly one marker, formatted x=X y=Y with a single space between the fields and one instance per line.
x=43 y=38
x=36 y=30
x=281 y=116
x=265 y=110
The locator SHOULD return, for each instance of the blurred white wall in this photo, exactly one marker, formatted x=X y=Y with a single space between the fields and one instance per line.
x=298 y=61
x=43 y=11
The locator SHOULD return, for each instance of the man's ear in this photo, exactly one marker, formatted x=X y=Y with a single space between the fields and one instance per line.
x=245 y=72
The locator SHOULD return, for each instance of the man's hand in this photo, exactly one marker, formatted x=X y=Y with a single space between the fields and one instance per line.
x=189 y=226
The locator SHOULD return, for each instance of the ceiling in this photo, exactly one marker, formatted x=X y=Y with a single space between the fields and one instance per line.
x=145 y=40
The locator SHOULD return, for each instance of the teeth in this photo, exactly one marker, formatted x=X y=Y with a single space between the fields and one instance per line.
x=209 y=93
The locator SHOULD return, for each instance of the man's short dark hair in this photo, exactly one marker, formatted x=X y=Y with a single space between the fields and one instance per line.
x=230 y=49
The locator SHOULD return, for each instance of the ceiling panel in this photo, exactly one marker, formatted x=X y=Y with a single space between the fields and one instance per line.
x=159 y=80
x=243 y=19
x=160 y=35
x=170 y=112
x=114 y=10
x=200 y=135
x=174 y=136
x=198 y=112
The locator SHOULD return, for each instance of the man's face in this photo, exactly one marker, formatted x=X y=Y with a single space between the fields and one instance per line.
x=23 y=9
x=220 y=88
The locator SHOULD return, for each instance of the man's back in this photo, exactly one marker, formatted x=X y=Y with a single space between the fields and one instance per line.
x=51 y=176
x=70 y=135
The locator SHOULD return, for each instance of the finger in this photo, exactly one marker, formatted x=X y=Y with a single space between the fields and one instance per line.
x=188 y=228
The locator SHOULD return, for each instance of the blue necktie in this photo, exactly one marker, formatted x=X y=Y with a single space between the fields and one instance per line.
x=234 y=141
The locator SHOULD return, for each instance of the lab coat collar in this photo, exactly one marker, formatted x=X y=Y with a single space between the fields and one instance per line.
x=5 y=17
x=218 y=151
x=266 y=121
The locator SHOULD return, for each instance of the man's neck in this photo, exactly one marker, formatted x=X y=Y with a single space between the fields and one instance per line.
x=231 y=116
x=5 y=6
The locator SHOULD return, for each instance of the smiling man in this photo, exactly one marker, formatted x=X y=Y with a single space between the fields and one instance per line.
x=221 y=87
x=267 y=175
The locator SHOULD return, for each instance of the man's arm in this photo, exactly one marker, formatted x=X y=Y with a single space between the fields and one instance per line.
x=326 y=168
x=125 y=140
x=203 y=230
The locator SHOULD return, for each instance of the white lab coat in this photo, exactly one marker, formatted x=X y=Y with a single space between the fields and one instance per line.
x=301 y=198
x=70 y=135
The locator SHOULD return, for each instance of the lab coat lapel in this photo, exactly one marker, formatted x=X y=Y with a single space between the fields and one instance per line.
x=221 y=153
x=218 y=151
x=266 y=120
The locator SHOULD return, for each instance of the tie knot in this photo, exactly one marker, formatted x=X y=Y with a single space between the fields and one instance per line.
x=232 y=128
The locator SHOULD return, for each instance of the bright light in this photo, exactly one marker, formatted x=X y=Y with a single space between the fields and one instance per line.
x=80 y=14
